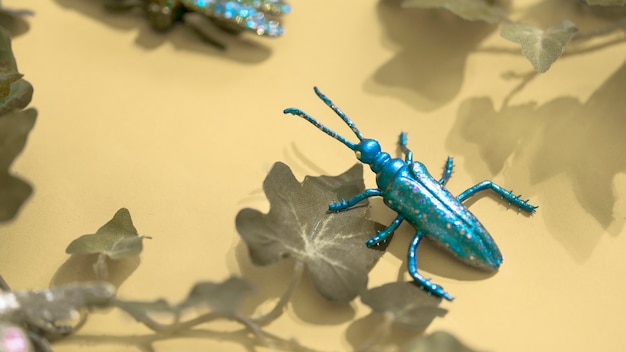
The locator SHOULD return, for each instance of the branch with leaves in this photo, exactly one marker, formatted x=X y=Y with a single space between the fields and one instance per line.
x=541 y=46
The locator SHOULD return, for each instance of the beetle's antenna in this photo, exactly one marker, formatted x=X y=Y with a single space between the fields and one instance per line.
x=328 y=131
x=340 y=113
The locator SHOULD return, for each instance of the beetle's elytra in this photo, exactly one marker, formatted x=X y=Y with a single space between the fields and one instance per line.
x=408 y=188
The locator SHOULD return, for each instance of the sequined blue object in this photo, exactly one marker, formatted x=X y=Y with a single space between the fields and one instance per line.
x=423 y=201
x=261 y=17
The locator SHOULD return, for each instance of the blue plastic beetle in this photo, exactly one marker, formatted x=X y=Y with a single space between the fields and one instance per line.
x=423 y=201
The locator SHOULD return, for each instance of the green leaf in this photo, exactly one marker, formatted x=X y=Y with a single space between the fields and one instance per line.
x=117 y=239
x=225 y=297
x=19 y=96
x=14 y=129
x=471 y=10
x=541 y=48
x=438 y=341
x=408 y=305
x=298 y=225
x=606 y=2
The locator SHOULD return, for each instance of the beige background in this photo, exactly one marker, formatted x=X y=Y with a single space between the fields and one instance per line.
x=182 y=135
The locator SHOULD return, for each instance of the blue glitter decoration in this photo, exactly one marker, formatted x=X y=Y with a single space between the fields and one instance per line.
x=423 y=201
x=261 y=17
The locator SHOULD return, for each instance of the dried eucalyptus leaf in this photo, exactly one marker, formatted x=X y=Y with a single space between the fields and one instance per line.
x=298 y=225
x=408 y=304
x=225 y=297
x=44 y=308
x=438 y=341
x=117 y=239
x=471 y=10
x=541 y=48
x=14 y=130
x=606 y=2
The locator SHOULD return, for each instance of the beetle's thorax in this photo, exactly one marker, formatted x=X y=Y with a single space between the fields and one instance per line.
x=368 y=152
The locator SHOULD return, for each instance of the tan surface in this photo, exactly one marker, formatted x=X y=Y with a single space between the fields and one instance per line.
x=183 y=136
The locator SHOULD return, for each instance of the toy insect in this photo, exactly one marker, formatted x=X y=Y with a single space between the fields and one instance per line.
x=423 y=201
x=257 y=16
x=48 y=311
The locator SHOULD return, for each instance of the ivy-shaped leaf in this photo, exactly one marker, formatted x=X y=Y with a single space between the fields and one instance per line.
x=117 y=239
x=225 y=297
x=606 y=2
x=438 y=341
x=408 y=305
x=298 y=225
x=14 y=129
x=541 y=48
x=471 y=10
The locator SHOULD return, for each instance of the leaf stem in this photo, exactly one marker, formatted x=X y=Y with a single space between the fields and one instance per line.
x=100 y=267
x=298 y=270
x=3 y=285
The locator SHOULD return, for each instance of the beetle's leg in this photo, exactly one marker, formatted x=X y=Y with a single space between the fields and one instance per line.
x=381 y=237
x=408 y=158
x=345 y=204
x=447 y=171
x=504 y=194
x=423 y=282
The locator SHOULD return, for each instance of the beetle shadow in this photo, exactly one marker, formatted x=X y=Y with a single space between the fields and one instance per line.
x=432 y=48
x=580 y=142
x=79 y=268
x=238 y=47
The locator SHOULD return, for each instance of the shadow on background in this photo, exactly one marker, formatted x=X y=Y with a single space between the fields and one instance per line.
x=582 y=141
x=433 y=45
x=79 y=268
x=238 y=47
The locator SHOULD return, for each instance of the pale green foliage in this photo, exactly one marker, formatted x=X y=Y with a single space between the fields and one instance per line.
x=117 y=239
x=332 y=245
x=15 y=125
x=540 y=47
x=472 y=10
x=224 y=297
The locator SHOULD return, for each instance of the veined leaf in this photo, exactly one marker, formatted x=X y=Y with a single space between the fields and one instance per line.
x=117 y=239
x=541 y=48
x=471 y=10
x=298 y=225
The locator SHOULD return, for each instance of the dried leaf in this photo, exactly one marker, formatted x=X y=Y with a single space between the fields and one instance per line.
x=332 y=245
x=541 y=48
x=19 y=96
x=117 y=239
x=225 y=297
x=438 y=341
x=45 y=308
x=14 y=129
x=471 y=10
x=408 y=304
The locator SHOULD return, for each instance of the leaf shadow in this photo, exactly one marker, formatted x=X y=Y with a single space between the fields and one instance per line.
x=361 y=329
x=271 y=282
x=581 y=141
x=428 y=69
x=79 y=268
x=238 y=48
